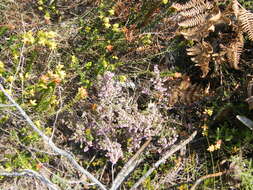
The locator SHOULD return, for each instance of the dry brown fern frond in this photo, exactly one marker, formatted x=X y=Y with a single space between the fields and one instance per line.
x=184 y=92
x=192 y=94
x=215 y=16
x=202 y=52
x=198 y=32
x=235 y=7
x=196 y=10
x=234 y=51
x=246 y=19
x=194 y=21
x=188 y=5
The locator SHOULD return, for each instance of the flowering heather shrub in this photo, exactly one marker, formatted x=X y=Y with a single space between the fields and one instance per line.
x=158 y=91
x=119 y=125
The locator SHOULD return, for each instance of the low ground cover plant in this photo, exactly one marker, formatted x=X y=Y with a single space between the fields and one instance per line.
x=113 y=94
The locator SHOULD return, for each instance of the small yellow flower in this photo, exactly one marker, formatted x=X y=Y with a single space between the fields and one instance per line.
x=33 y=102
x=107 y=25
x=115 y=27
x=74 y=59
x=235 y=149
x=62 y=74
x=44 y=78
x=122 y=78
x=1 y=67
x=42 y=41
x=205 y=130
x=48 y=131
x=37 y=123
x=32 y=92
x=208 y=112
x=106 y=20
x=47 y=16
x=15 y=55
x=218 y=144
x=165 y=1
x=115 y=57
x=111 y=11
x=51 y=34
x=40 y=2
x=183 y=187
x=211 y=148
x=10 y=79
x=215 y=147
x=82 y=93
x=28 y=38
x=87 y=29
x=52 y=45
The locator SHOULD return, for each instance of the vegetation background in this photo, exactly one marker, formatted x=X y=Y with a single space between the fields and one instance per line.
x=111 y=80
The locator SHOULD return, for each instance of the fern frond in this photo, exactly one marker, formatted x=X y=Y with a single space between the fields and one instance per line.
x=234 y=51
x=197 y=33
x=198 y=19
x=195 y=50
x=214 y=18
x=188 y=5
x=196 y=10
x=202 y=52
x=191 y=94
x=246 y=19
x=235 y=7
x=200 y=48
x=203 y=63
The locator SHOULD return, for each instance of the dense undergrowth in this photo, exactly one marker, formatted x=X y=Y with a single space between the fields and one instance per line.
x=103 y=77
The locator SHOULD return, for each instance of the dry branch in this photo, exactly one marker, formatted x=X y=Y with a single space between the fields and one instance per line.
x=163 y=159
x=129 y=166
x=48 y=141
x=206 y=177
x=31 y=173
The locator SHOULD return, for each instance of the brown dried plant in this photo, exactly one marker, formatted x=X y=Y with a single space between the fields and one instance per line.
x=200 y=18
x=185 y=92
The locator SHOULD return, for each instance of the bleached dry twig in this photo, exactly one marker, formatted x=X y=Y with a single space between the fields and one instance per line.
x=129 y=166
x=206 y=177
x=47 y=140
x=163 y=159
x=31 y=173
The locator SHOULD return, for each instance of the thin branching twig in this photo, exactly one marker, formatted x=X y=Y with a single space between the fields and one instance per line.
x=129 y=166
x=163 y=159
x=47 y=140
x=206 y=177
x=31 y=173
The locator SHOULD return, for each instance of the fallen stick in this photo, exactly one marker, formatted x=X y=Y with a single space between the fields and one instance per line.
x=31 y=173
x=163 y=159
x=129 y=166
x=47 y=140
x=206 y=177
